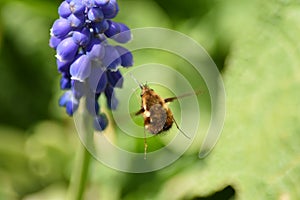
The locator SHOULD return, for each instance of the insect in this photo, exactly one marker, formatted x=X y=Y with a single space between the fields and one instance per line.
x=158 y=117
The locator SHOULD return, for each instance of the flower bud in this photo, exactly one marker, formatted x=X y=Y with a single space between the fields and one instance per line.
x=65 y=83
x=115 y=79
x=111 y=58
x=82 y=38
x=64 y=9
x=100 y=27
x=77 y=7
x=124 y=36
x=67 y=100
x=78 y=88
x=112 y=101
x=76 y=21
x=118 y=32
x=96 y=52
x=80 y=69
x=54 y=42
x=100 y=122
x=66 y=50
x=63 y=66
x=101 y=2
x=97 y=80
x=95 y=14
x=111 y=9
x=113 y=29
x=61 y=27
x=126 y=56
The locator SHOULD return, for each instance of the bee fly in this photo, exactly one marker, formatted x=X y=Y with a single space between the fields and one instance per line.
x=158 y=117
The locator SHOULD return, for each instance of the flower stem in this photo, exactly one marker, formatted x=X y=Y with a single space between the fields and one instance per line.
x=79 y=174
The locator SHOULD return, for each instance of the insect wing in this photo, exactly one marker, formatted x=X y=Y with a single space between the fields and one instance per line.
x=171 y=99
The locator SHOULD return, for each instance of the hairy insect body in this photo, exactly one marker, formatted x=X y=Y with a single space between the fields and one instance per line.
x=157 y=116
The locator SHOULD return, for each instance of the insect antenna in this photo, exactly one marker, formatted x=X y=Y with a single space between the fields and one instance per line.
x=180 y=129
x=141 y=86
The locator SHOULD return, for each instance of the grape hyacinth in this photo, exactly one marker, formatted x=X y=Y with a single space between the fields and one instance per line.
x=89 y=65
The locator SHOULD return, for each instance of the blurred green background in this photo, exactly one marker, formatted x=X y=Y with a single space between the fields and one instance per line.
x=255 y=45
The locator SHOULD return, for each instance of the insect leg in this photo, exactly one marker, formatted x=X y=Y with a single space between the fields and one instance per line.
x=180 y=129
x=145 y=145
x=139 y=112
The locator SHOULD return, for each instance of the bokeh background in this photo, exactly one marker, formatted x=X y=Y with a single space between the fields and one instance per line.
x=255 y=45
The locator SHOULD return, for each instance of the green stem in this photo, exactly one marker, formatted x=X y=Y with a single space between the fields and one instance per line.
x=79 y=174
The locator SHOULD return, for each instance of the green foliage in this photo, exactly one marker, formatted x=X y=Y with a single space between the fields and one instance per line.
x=26 y=63
x=255 y=43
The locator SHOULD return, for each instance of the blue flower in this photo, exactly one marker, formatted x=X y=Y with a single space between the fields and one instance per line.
x=69 y=101
x=81 y=68
x=89 y=65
